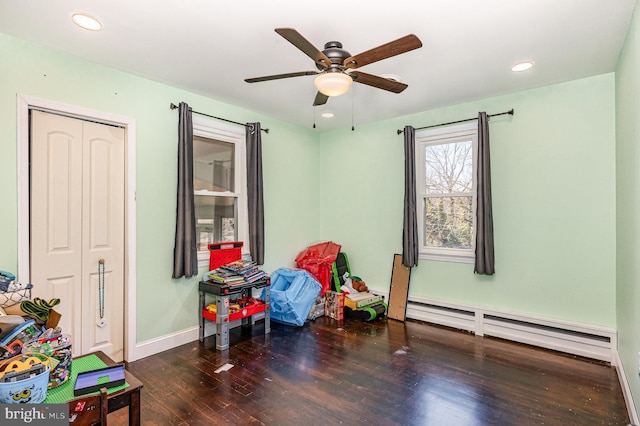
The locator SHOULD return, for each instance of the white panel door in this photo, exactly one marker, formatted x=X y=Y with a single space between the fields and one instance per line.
x=56 y=212
x=77 y=222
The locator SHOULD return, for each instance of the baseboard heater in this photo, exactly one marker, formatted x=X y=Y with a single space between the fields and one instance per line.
x=579 y=339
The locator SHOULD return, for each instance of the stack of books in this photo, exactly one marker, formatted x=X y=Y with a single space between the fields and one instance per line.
x=237 y=272
x=225 y=277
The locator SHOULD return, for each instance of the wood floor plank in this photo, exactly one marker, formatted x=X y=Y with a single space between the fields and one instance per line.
x=383 y=372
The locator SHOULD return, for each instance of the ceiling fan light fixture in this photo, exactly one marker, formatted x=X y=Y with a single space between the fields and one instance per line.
x=333 y=83
x=87 y=22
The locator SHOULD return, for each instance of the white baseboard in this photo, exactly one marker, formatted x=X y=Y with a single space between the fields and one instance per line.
x=585 y=340
x=173 y=340
x=163 y=343
x=579 y=339
x=626 y=390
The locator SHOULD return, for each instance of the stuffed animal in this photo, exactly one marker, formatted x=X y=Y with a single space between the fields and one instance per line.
x=358 y=284
x=353 y=284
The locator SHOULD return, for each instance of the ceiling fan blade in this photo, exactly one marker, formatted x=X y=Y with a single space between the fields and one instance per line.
x=320 y=99
x=279 y=76
x=295 y=38
x=378 y=82
x=393 y=48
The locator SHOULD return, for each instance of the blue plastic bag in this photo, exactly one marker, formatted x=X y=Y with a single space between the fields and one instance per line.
x=292 y=293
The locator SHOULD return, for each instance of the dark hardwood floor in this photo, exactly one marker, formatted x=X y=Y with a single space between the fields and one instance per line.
x=382 y=373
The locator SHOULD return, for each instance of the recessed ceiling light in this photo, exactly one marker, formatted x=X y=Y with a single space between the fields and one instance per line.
x=522 y=66
x=327 y=114
x=87 y=22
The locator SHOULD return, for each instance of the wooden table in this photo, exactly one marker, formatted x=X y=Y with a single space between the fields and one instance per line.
x=128 y=397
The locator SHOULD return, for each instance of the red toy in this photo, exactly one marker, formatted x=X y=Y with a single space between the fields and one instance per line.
x=317 y=260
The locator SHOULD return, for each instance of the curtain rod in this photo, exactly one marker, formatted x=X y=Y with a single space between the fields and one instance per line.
x=510 y=112
x=174 y=106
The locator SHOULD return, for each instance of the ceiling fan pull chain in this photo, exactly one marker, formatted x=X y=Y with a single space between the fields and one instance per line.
x=353 y=97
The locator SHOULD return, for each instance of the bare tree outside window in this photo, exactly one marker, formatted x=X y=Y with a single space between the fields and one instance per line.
x=448 y=196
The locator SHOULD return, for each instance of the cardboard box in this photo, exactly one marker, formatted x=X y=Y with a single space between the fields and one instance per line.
x=334 y=305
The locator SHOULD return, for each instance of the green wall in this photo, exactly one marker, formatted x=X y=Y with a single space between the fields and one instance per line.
x=164 y=305
x=553 y=170
x=553 y=167
x=628 y=204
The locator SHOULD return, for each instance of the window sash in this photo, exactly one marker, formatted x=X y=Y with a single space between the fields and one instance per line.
x=214 y=164
x=462 y=215
x=210 y=224
x=210 y=129
x=461 y=133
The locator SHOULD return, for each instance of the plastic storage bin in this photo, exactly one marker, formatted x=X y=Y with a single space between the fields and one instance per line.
x=24 y=379
x=293 y=292
x=15 y=340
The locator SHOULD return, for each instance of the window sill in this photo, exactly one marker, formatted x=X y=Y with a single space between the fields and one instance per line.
x=447 y=258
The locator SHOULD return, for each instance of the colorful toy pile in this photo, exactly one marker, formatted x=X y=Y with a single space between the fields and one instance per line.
x=34 y=354
x=57 y=346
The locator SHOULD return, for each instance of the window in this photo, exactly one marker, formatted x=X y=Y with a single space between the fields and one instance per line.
x=219 y=184
x=446 y=192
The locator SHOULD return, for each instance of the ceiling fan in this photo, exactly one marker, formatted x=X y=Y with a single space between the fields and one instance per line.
x=337 y=68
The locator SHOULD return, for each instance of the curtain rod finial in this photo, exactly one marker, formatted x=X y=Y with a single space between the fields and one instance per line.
x=172 y=105
x=400 y=131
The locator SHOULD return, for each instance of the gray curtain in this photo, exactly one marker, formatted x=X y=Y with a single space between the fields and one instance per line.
x=410 y=224
x=254 y=192
x=485 y=261
x=185 y=252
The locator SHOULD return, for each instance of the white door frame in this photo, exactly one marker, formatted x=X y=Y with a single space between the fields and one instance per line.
x=24 y=104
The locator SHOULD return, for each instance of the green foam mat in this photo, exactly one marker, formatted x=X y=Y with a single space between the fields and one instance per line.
x=64 y=392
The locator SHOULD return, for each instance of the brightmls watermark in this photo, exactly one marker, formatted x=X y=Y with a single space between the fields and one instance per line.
x=34 y=414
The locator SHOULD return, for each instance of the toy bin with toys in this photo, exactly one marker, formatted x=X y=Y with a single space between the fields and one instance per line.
x=24 y=379
x=57 y=346
x=237 y=309
x=19 y=336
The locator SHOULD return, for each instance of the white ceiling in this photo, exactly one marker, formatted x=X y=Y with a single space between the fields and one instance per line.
x=210 y=47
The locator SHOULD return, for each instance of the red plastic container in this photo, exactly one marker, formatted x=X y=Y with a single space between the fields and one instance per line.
x=223 y=253
x=240 y=314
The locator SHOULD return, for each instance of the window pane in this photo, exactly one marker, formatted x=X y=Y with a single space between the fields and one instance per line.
x=448 y=168
x=448 y=222
x=215 y=220
x=213 y=165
